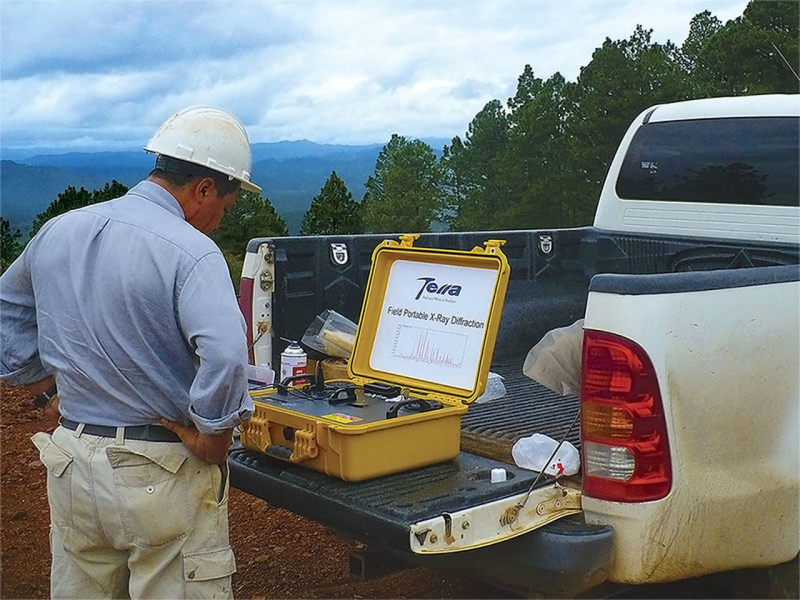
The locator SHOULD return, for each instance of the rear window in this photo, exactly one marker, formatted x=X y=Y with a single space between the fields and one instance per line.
x=751 y=160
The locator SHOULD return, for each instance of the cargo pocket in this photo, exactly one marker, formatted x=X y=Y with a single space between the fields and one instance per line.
x=207 y=574
x=59 y=477
x=152 y=495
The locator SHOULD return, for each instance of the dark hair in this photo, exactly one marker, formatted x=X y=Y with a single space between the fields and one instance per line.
x=180 y=172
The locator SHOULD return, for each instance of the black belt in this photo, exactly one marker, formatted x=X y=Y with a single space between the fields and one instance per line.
x=149 y=433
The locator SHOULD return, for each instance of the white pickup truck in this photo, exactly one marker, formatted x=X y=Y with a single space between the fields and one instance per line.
x=690 y=289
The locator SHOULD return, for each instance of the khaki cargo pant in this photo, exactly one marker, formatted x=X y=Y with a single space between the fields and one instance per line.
x=134 y=519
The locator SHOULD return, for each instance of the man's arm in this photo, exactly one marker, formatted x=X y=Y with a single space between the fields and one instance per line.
x=19 y=349
x=214 y=328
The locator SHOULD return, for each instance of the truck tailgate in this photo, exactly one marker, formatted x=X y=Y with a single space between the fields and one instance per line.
x=384 y=510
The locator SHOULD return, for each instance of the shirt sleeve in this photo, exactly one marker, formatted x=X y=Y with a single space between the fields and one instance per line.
x=214 y=328
x=19 y=333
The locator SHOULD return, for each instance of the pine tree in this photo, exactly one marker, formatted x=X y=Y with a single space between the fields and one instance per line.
x=405 y=193
x=251 y=217
x=749 y=54
x=333 y=211
x=72 y=198
x=10 y=248
x=471 y=171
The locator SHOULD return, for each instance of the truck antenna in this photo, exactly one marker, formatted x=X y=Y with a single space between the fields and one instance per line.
x=786 y=61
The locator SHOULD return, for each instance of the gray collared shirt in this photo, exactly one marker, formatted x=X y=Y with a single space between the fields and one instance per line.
x=133 y=311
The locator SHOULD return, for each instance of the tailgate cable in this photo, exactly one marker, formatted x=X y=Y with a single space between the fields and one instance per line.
x=512 y=512
x=258 y=337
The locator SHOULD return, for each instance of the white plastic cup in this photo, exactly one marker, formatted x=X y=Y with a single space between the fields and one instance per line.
x=498 y=475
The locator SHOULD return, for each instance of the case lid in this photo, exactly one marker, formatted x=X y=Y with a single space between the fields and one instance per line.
x=430 y=317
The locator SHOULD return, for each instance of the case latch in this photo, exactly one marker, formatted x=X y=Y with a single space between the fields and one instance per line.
x=305 y=445
x=256 y=430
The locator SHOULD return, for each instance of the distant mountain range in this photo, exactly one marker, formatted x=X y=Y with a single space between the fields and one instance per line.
x=291 y=174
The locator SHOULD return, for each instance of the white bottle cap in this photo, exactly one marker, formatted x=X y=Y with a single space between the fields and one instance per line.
x=498 y=475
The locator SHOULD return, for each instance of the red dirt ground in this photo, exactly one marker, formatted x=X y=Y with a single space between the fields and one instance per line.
x=279 y=554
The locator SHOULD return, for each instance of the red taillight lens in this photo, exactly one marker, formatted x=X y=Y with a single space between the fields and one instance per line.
x=246 y=306
x=623 y=429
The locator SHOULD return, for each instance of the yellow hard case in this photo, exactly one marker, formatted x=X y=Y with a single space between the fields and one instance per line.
x=397 y=343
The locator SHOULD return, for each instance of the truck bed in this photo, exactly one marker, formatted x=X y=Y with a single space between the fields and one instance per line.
x=382 y=509
x=558 y=559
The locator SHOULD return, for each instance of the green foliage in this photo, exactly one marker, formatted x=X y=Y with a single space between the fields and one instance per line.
x=251 y=217
x=624 y=78
x=744 y=56
x=10 y=247
x=67 y=200
x=540 y=169
x=471 y=171
x=541 y=161
x=333 y=211
x=110 y=191
x=72 y=198
x=701 y=28
x=405 y=192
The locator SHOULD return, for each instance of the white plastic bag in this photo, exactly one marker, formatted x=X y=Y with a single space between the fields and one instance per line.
x=533 y=451
x=494 y=389
x=555 y=361
x=331 y=334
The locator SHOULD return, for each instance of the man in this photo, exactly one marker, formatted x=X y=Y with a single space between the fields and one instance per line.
x=130 y=308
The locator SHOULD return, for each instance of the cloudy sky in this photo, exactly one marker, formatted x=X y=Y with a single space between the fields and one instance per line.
x=104 y=74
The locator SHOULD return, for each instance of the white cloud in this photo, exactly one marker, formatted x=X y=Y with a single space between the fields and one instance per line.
x=110 y=72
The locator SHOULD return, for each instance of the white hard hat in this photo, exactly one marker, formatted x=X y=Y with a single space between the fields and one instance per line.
x=206 y=136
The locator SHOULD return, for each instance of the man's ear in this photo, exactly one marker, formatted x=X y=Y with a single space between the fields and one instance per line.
x=204 y=189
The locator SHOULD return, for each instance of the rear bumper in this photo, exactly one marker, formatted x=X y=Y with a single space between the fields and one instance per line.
x=561 y=559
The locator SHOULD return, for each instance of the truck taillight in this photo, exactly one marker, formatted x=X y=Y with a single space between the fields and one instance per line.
x=246 y=306
x=623 y=429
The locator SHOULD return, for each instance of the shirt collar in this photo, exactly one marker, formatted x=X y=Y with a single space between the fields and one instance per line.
x=158 y=195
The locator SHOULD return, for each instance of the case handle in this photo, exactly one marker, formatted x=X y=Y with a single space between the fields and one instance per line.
x=278 y=451
x=305 y=447
x=421 y=404
x=317 y=379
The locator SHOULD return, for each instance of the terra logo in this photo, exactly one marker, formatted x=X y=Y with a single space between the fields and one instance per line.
x=429 y=285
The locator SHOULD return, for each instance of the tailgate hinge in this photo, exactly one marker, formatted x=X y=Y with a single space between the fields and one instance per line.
x=566 y=499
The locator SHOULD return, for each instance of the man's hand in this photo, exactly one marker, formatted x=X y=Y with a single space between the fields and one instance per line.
x=40 y=386
x=51 y=410
x=212 y=448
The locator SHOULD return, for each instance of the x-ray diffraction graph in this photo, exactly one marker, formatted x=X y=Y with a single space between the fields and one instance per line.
x=430 y=346
x=433 y=322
